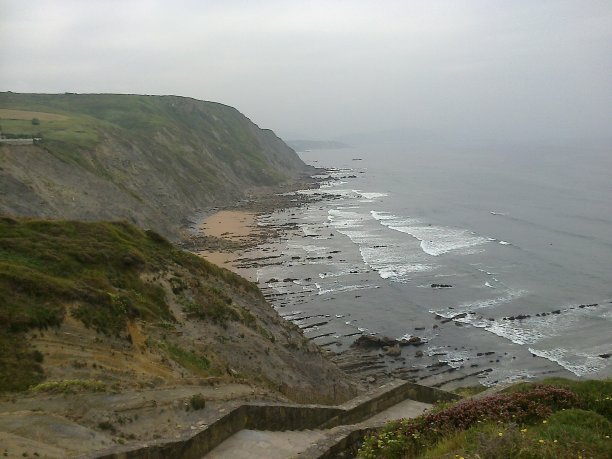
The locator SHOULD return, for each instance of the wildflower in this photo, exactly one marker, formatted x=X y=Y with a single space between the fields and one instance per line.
x=541 y=441
x=523 y=430
x=501 y=434
x=555 y=441
x=544 y=421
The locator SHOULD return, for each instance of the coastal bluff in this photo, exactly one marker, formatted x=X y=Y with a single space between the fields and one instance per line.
x=149 y=160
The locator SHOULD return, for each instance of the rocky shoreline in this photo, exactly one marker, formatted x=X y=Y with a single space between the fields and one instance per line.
x=370 y=359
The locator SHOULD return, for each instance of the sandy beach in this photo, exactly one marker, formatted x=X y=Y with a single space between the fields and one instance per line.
x=236 y=227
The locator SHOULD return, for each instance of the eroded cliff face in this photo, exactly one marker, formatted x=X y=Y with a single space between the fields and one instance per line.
x=150 y=160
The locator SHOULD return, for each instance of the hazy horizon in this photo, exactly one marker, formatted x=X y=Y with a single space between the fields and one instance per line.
x=472 y=70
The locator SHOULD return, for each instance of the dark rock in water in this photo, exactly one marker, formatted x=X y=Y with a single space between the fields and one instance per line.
x=605 y=356
x=394 y=351
x=288 y=279
x=418 y=354
x=271 y=281
x=419 y=328
x=558 y=311
x=441 y=286
x=522 y=316
x=413 y=340
x=435 y=326
x=460 y=316
x=491 y=319
x=374 y=341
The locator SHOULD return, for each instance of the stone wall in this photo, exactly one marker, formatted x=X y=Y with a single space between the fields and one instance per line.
x=278 y=417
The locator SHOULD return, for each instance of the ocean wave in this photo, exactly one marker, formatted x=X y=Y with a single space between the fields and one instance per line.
x=488 y=303
x=391 y=260
x=370 y=195
x=325 y=289
x=435 y=240
x=579 y=363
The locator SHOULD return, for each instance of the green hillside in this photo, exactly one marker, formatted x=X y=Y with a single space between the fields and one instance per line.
x=99 y=271
x=154 y=160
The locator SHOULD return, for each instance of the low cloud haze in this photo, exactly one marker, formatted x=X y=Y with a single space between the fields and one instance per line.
x=320 y=69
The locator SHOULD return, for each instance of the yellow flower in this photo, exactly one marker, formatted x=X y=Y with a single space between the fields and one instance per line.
x=544 y=421
x=555 y=441
x=541 y=441
x=501 y=434
x=523 y=430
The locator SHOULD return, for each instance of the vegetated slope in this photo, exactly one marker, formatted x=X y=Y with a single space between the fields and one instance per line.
x=152 y=160
x=107 y=304
x=555 y=418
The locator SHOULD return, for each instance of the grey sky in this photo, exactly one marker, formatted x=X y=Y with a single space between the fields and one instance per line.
x=325 y=69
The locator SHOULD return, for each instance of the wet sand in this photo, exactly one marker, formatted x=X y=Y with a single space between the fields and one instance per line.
x=234 y=226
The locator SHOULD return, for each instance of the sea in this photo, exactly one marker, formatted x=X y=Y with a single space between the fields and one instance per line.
x=476 y=250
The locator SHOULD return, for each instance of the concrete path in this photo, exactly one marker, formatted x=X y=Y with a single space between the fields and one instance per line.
x=257 y=444
x=405 y=409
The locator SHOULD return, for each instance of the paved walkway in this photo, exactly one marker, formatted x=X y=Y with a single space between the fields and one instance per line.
x=405 y=409
x=257 y=444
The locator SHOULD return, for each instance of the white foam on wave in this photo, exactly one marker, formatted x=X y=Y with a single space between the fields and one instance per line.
x=325 y=289
x=392 y=260
x=504 y=243
x=370 y=195
x=512 y=330
x=332 y=184
x=570 y=324
x=435 y=240
x=579 y=363
x=488 y=303
x=345 y=271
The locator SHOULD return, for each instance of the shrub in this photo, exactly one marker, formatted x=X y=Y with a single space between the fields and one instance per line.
x=197 y=402
x=409 y=437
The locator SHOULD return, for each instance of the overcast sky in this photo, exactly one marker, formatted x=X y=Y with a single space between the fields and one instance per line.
x=326 y=69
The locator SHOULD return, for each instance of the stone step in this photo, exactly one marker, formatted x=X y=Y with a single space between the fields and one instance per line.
x=287 y=444
x=266 y=444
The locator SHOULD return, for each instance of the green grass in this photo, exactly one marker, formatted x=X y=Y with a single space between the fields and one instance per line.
x=468 y=391
x=224 y=132
x=556 y=418
x=196 y=363
x=97 y=269
x=70 y=386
